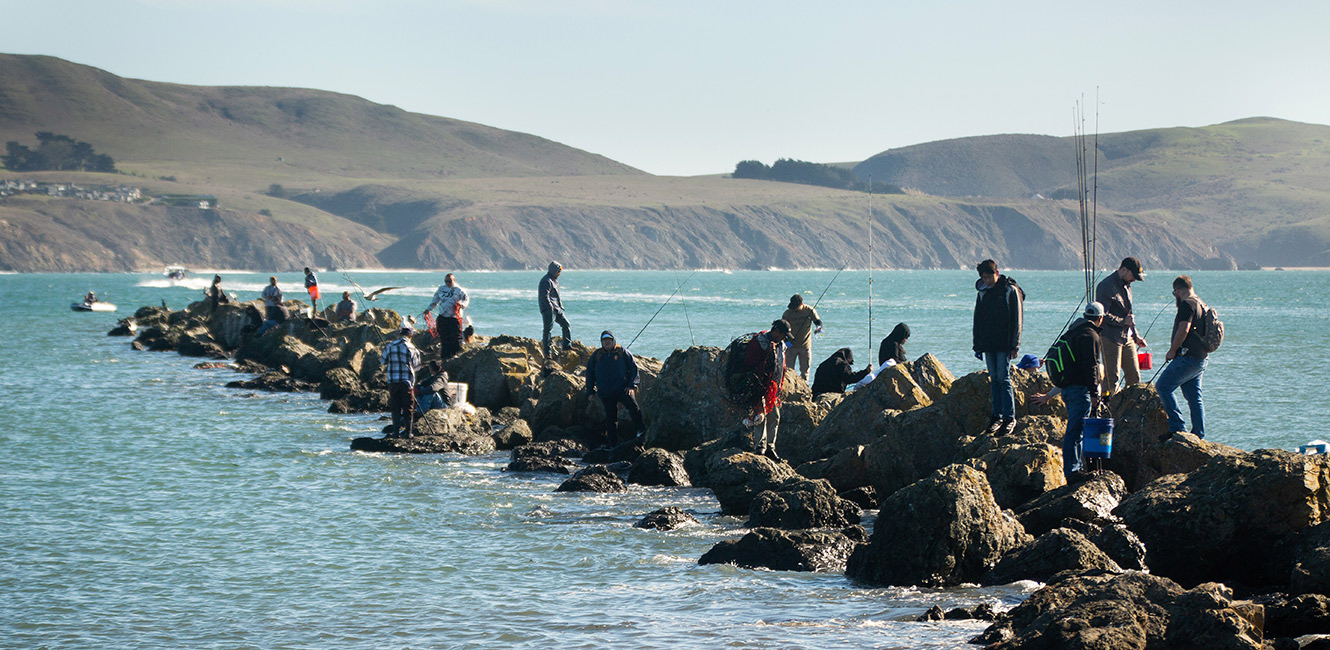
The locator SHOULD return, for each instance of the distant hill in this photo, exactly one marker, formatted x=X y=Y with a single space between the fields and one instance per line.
x=1257 y=187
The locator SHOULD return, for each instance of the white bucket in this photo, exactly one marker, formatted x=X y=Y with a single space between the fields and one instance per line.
x=459 y=391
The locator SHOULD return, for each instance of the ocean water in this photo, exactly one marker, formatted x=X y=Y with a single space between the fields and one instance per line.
x=146 y=506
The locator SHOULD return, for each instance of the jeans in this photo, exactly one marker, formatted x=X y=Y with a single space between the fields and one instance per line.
x=550 y=319
x=428 y=402
x=1078 y=402
x=1185 y=372
x=999 y=379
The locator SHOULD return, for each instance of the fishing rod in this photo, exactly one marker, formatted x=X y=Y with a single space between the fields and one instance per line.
x=662 y=306
x=685 y=311
x=833 y=281
x=1152 y=323
x=870 y=261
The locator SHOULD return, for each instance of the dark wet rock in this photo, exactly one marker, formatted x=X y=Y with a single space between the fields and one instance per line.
x=1121 y=545
x=439 y=431
x=159 y=338
x=215 y=365
x=515 y=434
x=1294 y=616
x=1052 y=553
x=798 y=419
x=126 y=327
x=666 y=519
x=596 y=478
x=1222 y=521
x=1311 y=572
x=562 y=402
x=980 y=612
x=934 y=613
x=507 y=415
x=624 y=452
x=943 y=530
x=1138 y=455
x=783 y=550
x=551 y=456
x=198 y=342
x=368 y=401
x=138 y=345
x=659 y=467
x=275 y=381
x=1131 y=610
x=802 y=503
x=699 y=459
x=738 y=477
x=1091 y=500
x=846 y=470
x=864 y=497
x=340 y=382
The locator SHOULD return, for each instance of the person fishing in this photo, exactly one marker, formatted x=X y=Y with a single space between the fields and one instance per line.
x=1120 y=338
x=1187 y=358
x=998 y=317
x=432 y=391
x=274 y=312
x=837 y=372
x=612 y=374
x=312 y=286
x=764 y=361
x=893 y=346
x=214 y=293
x=346 y=310
x=802 y=318
x=1081 y=395
x=452 y=300
x=551 y=309
x=400 y=359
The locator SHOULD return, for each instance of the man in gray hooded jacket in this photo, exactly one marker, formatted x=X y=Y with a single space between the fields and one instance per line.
x=551 y=308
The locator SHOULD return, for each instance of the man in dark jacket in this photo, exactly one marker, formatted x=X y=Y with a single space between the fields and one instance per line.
x=611 y=372
x=998 y=318
x=432 y=391
x=1120 y=338
x=551 y=308
x=1082 y=395
x=837 y=372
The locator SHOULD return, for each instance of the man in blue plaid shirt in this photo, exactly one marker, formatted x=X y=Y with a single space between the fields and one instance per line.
x=400 y=360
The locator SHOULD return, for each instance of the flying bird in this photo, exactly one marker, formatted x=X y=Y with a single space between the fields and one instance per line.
x=371 y=295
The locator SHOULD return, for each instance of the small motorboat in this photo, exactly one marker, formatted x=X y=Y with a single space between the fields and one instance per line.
x=91 y=306
x=175 y=273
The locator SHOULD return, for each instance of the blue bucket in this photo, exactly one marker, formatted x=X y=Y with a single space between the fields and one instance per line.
x=1098 y=441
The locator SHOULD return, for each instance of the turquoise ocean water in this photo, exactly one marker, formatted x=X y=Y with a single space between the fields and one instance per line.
x=146 y=506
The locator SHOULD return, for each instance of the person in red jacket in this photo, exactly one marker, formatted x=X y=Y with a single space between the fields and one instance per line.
x=764 y=359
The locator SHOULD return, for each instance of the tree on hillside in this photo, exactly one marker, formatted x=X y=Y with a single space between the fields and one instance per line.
x=55 y=153
x=787 y=170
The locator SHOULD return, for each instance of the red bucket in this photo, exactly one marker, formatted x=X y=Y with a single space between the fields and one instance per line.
x=1144 y=360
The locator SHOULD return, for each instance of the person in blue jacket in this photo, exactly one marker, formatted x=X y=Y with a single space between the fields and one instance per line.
x=551 y=309
x=612 y=373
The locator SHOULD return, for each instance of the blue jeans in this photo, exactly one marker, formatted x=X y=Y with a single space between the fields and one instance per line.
x=1078 y=402
x=999 y=380
x=428 y=402
x=549 y=319
x=1185 y=372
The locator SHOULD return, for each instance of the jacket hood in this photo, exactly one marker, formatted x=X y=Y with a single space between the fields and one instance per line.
x=899 y=334
x=845 y=353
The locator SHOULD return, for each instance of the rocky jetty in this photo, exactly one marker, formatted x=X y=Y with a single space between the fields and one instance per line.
x=1176 y=542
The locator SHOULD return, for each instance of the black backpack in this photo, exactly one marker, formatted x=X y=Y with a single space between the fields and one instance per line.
x=1059 y=361
x=1212 y=327
x=741 y=385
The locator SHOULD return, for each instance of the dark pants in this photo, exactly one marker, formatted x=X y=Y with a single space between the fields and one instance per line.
x=401 y=399
x=611 y=404
x=450 y=337
x=550 y=319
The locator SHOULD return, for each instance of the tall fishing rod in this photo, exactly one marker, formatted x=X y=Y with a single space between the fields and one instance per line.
x=1094 y=195
x=685 y=311
x=833 y=281
x=662 y=306
x=870 y=261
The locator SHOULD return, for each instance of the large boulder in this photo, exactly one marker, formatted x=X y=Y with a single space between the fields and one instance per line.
x=1222 y=521
x=847 y=470
x=737 y=477
x=1294 y=616
x=275 y=381
x=1139 y=455
x=228 y=324
x=513 y=435
x=802 y=504
x=782 y=550
x=799 y=418
x=686 y=405
x=931 y=376
x=1058 y=550
x=554 y=456
x=1131 y=610
x=855 y=420
x=940 y=531
x=1092 y=500
x=495 y=373
x=1022 y=471
x=562 y=402
x=659 y=467
x=438 y=432
x=596 y=478
x=340 y=382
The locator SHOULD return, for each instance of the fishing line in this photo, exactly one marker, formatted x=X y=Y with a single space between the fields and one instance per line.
x=685 y=312
x=662 y=306
x=1152 y=323
x=833 y=281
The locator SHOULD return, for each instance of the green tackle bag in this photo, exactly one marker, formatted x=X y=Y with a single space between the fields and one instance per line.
x=1059 y=361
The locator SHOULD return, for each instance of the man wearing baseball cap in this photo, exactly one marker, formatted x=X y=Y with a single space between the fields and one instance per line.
x=1082 y=394
x=612 y=373
x=400 y=360
x=1120 y=339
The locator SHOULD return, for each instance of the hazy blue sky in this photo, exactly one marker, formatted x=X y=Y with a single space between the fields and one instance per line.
x=687 y=87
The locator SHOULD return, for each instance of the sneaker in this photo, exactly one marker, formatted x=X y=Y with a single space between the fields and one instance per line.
x=754 y=420
x=771 y=453
x=1007 y=427
x=994 y=423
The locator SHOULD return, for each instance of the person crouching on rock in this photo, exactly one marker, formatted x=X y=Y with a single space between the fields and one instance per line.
x=400 y=360
x=893 y=347
x=1082 y=395
x=837 y=372
x=764 y=359
x=432 y=391
x=346 y=310
x=611 y=372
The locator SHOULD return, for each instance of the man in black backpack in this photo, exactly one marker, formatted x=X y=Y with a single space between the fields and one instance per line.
x=1187 y=358
x=1081 y=394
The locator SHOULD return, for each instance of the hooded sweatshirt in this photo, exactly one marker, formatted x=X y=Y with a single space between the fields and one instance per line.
x=999 y=313
x=893 y=347
x=837 y=372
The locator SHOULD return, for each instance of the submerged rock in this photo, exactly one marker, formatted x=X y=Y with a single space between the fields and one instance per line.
x=782 y=550
x=275 y=381
x=666 y=519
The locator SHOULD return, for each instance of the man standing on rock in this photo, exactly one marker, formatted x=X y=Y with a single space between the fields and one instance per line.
x=312 y=286
x=272 y=298
x=1187 y=359
x=400 y=360
x=452 y=300
x=551 y=308
x=1082 y=394
x=998 y=318
x=1120 y=337
x=764 y=359
x=801 y=318
x=612 y=372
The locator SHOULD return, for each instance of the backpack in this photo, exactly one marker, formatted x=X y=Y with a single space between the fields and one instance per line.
x=741 y=386
x=1213 y=328
x=1059 y=361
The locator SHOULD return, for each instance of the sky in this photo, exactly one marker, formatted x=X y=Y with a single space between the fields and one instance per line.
x=685 y=87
